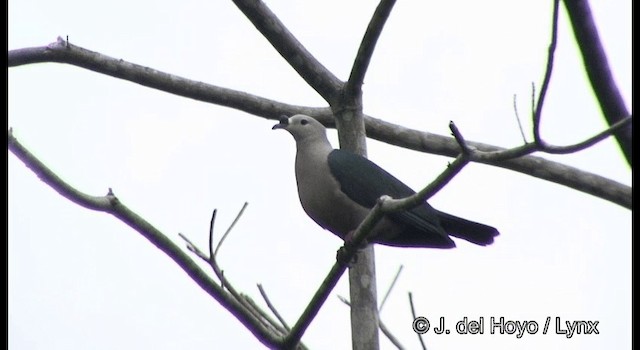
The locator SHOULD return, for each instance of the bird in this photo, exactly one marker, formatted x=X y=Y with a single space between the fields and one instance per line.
x=337 y=189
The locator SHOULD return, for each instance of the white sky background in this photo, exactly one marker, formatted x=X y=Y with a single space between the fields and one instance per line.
x=84 y=280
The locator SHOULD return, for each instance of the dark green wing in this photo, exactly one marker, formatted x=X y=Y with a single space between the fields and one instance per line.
x=364 y=182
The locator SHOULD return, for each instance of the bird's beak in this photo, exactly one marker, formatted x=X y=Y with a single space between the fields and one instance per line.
x=284 y=122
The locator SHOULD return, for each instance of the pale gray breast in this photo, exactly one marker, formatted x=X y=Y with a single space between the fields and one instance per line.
x=326 y=204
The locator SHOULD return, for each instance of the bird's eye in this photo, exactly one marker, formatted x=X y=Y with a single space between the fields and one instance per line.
x=304 y=122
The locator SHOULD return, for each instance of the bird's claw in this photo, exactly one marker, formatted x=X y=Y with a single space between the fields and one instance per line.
x=342 y=256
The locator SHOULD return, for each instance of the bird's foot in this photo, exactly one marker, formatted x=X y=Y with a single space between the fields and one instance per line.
x=343 y=253
x=342 y=256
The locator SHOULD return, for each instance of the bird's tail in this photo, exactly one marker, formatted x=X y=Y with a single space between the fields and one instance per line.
x=468 y=230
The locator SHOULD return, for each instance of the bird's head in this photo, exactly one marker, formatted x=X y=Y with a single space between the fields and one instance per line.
x=301 y=127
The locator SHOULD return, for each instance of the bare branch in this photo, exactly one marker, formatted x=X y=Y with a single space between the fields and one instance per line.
x=545 y=147
x=394 y=205
x=307 y=66
x=547 y=74
x=194 y=249
x=376 y=128
x=392 y=338
x=414 y=315
x=515 y=110
x=346 y=254
x=62 y=52
x=393 y=283
x=459 y=139
x=597 y=67
x=211 y=225
x=382 y=327
x=263 y=316
x=256 y=311
x=533 y=98
x=469 y=154
x=229 y=229
x=314 y=305
x=368 y=44
x=272 y=308
x=98 y=203
x=111 y=205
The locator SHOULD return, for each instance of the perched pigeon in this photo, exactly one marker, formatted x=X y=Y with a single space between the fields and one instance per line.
x=338 y=188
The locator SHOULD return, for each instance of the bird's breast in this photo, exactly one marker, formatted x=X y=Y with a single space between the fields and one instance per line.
x=323 y=200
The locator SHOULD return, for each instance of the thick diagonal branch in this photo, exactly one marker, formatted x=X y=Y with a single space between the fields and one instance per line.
x=349 y=250
x=307 y=66
x=597 y=68
x=63 y=52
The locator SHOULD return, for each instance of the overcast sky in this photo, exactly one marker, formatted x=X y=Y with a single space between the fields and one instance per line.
x=83 y=280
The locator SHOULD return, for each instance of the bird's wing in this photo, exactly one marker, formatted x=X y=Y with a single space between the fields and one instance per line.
x=364 y=182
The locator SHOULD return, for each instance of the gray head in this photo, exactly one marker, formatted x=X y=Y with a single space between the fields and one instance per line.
x=302 y=127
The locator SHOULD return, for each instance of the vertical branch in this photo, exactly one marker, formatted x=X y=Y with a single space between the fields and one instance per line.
x=364 y=303
x=352 y=136
x=597 y=67
x=413 y=314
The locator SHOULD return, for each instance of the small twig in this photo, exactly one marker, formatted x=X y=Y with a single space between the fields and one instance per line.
x=395 y=205
x=531 y=147
x=588 y=142
x=211 y=225
x=414 y=315
x=533 y=98
x=458 y=136
x=390 y=205
x=515 y=110
x=272 y=308
x=392 y=338
x=263 y=316
x=219 y=272
x=436 y=185
x=244 y=206
x=193 y=248
x=537 y=115
x=382 y=327
x=540 y=144
x=393 y=283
